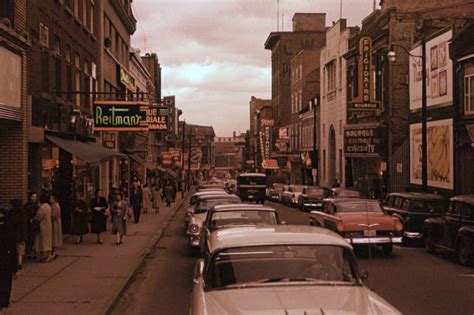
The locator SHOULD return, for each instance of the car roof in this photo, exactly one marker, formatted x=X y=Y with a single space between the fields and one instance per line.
x=274 y=235
x=416 y=195
x=253 y=174
x=218 y=196
x=464 y=198
x=337 y=201
x=241 y=206
x=213 y=192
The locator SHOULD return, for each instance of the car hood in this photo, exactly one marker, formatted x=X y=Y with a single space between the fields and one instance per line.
x=315 y=197
x=297 y=300
x=364 y=220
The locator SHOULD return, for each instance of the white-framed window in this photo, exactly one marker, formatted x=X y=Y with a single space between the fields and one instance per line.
x=469 y=94
x=44 y=35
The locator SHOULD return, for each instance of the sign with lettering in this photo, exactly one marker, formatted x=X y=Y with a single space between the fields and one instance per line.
x=157 y=118
x=127 y=80
x=363 y=142
x=120 y=116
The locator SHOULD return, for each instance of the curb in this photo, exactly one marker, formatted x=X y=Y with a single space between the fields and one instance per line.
x=109 y=307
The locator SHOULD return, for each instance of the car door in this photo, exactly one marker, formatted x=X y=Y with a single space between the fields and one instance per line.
x=452 y=224
x=329 y=220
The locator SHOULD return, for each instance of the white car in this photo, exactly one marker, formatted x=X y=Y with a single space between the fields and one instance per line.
x=281 y=270
x=290 y=197
x=194 y=198
x=203 y=204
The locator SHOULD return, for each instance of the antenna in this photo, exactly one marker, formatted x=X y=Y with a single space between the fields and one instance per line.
x=340 y=10
x=278 y=15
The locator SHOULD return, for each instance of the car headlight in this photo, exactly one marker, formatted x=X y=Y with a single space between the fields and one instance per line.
x=398 y=226
x=193 y=228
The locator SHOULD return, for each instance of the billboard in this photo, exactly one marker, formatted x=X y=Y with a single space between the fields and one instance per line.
x=439 y=73
x=440 y=153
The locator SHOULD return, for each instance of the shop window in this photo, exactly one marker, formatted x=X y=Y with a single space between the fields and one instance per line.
x=469 y=95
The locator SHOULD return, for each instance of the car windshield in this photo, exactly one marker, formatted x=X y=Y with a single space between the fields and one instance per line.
x=282 y=264
x=204 y=205
x=241 y=217
x=251 y=180
x=316 y=191
x=359 y=206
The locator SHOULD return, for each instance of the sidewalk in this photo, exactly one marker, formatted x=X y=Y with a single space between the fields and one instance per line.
x=87 y=278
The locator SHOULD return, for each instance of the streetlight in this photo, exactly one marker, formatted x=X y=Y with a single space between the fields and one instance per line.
x=391 y=55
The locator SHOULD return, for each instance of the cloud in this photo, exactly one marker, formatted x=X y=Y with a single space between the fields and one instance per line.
x=212 y=52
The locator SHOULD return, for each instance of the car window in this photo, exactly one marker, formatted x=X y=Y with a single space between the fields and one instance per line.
x=359 y=206
x=397 y=202
x=418 y=206
x=436 y=206
x=455 y=208
x=466 y=211
x=239 y=217
x=405 y=205
x=389 y=201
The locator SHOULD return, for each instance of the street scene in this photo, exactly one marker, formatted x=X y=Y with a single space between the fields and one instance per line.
x=236 y=157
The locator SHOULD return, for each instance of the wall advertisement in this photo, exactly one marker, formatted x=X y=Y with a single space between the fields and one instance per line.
x=439 y=73
x=440 y=153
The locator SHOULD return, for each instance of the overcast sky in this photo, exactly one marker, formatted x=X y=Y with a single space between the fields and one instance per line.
x=212 y=53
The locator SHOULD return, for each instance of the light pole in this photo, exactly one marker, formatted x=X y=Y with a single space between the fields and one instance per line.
x=424 y=148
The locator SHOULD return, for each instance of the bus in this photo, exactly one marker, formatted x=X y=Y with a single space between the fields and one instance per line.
x=252 y=186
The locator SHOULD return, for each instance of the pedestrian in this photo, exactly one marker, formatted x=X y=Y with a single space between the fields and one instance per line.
x=80 y=218
x=32 y=226
x=156 y=197
x=98 y=207
x=147 y=199
x=169 y=193
x=43 y=240
x=57 y=229
x=336 y=184
x=18 y=222
x=119 y=218
x=8 y=260
x=136 y=199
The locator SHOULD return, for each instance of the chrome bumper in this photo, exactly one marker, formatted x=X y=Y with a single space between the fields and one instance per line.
x=375 y=240
x=194 y=240
x=416 y=235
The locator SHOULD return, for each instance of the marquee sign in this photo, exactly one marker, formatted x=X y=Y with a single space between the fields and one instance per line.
x=120 y=116
x=363 y=142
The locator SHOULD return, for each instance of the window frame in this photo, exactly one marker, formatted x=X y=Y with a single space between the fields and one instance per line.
x=468 y=94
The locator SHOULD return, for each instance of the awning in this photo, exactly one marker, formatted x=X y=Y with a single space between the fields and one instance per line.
x=148 y=165
x=270 y=164
x=89 y=152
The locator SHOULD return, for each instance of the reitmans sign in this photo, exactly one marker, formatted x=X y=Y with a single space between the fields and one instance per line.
x=130 y=116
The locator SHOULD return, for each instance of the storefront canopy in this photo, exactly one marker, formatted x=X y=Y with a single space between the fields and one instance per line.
x=89 y=152
x=148 y=165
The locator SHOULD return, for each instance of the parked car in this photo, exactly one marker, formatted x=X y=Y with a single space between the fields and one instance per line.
x=312 y=197
x=274 y=192
x=281 y=269
x=290 y=197
x=413 y=209
x=359 y=221
x=203 y=204
x=252 y=187
x=194 y=198
x=345 y=193
x=234 y=215
x=454 y=230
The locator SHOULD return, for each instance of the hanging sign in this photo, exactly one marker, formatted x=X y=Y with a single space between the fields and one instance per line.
x=157 y=118
x=120 y=116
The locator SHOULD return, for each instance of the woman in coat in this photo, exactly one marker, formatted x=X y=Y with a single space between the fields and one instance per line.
x=32 y=226
x=43 y=240
x=98 y=207
x=18 y=221
x=80 y=218
x=156 y=191
x=8 y=260
x=57 y=229
x=147 y=199
x=169 y=193
x=119 y=218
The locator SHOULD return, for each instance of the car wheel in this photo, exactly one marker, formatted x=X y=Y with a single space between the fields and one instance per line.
x=387 y=249
x=429 y=242
x=465 y=252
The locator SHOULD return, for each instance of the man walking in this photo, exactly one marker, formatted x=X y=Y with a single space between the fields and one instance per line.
x=136 y=200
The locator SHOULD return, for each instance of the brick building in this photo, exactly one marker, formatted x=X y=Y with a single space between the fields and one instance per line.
x=229 y=153
x=333 y=103
x=151 y=62
x=14 y=107
x=308 y=33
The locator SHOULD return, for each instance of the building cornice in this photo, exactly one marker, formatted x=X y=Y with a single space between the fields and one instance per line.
x=127 y=19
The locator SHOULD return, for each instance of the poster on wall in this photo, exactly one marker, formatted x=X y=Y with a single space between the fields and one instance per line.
x=439 y=72
x=440 y=153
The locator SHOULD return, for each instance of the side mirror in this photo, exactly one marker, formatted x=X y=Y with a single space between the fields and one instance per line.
x=198 y=270
x=364 y=276
x=283 y=222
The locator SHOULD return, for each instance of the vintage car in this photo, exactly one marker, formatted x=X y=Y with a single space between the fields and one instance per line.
x=345 y=193
x=192 y=202
x=413 y=209
x=290 y=197
x=252 y=187
x=274 y=192
x=234 y=215
x=454 y=231
x=281 y=269
x=312 y=197
x=203 y=204
x=359 y=221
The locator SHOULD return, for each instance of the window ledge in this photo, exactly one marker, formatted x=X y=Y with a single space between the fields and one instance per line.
x=68 y=10
x=76 y=19
x=93 y=37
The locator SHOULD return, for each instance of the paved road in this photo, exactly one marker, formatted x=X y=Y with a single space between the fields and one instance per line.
x=412 y=280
